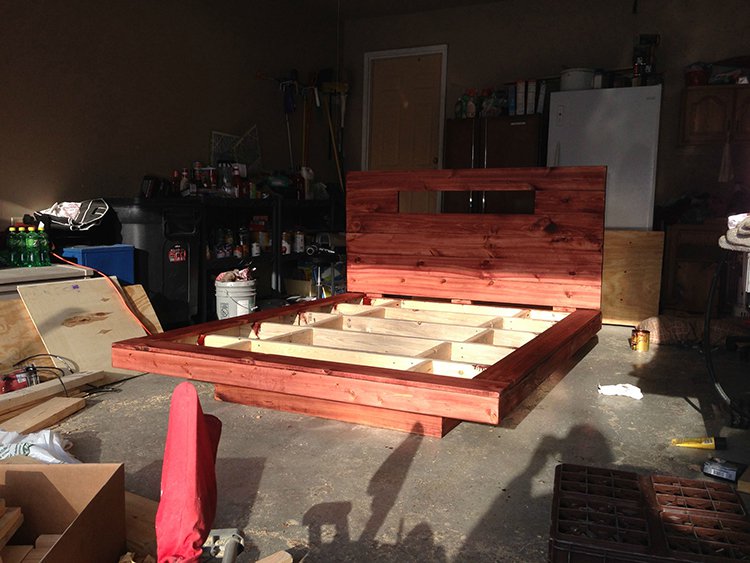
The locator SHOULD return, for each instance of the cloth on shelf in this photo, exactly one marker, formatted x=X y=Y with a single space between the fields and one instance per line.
x=738 y=233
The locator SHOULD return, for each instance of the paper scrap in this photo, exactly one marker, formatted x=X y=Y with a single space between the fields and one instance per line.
x=623 y=389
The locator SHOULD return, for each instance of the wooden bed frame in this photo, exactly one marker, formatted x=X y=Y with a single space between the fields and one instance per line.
x=450 y=317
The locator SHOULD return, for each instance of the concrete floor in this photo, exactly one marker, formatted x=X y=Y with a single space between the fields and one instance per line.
x=330 y=491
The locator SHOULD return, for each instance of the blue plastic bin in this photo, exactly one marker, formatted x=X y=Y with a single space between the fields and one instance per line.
x=113 y=260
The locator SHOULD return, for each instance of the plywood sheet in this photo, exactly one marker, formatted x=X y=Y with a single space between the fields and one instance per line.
x=80 y=320
x=21 y=339
x=631 y=278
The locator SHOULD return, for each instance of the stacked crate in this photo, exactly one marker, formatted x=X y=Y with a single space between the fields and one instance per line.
x=602 y=515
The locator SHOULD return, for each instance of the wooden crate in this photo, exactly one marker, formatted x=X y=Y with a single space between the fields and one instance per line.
x=450 y=317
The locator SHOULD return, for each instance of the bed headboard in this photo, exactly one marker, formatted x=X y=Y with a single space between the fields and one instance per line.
x=548 y=254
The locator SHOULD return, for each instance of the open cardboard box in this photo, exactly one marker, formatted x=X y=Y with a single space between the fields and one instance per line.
x=85 y=503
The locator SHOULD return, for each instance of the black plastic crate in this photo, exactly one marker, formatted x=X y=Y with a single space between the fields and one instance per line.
x=610 y=516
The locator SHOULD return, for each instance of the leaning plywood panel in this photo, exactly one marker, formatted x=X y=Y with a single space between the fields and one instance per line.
x=80 y=320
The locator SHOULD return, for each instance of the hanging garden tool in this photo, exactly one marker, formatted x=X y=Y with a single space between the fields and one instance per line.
x=338 y=91
x=289 y=87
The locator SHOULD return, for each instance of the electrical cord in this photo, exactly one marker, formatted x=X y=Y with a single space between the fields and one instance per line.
x=743 y=417
x=58 y=373
x=70 y=364
x=114 y=286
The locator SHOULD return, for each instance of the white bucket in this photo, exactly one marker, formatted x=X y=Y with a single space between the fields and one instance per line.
x=234 y=298
x=577 y=79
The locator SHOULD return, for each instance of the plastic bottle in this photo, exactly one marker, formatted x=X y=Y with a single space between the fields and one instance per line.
x=32 y=248
x=22 y=250
x=13 y=246
x=44 y=247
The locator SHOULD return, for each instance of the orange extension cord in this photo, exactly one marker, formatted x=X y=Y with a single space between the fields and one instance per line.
x=113 y=284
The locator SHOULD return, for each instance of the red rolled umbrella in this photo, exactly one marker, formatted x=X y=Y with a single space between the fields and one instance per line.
x=188 y=480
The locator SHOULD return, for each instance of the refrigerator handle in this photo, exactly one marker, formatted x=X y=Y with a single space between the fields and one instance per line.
x=556 y=155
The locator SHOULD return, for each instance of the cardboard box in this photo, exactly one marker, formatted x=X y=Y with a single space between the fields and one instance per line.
x=85 y=503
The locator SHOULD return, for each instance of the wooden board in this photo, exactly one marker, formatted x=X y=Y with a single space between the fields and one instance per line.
x=80 y=320
x=44 y=415
x=140 y=524
x=631 y=279
x=15 y=553
x=9 y=523
x=552 y=257
x=451 y=319
x=21 y=339
x=31 y=395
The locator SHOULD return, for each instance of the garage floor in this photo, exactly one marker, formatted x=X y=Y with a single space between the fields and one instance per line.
x=330 y=491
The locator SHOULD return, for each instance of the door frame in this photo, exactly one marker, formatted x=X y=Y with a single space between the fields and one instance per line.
x=392 y=54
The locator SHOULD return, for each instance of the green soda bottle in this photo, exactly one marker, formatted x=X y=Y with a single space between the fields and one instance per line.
x=22 y=251
x=13 y=246
x=32 y=248
x=44 y=246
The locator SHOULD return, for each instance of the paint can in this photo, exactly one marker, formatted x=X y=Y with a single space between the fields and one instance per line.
x=640 y=340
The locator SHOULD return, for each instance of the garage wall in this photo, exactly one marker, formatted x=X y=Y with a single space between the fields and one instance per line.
x=491 y=44
x=94 y=95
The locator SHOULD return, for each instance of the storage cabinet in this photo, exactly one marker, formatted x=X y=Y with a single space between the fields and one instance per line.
x=711 y=114
x=176 y=241
x=491 y=142
x=690 y=258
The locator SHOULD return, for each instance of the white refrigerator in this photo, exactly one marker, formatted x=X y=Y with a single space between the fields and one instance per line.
x=616 y=127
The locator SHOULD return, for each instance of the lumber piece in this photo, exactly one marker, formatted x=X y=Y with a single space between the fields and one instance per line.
x=15 y=553
x=36 y=555
x=415 y=423
x=30 y=395
x=138 y=300
x=140 y=524
x=278 y=557
x=44 y=415
x=9 y=523
x=46 y=540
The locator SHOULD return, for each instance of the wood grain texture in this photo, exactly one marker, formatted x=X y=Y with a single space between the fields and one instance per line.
x=20 y=338
x=496 y=258
x=425 y=425
x=80 y=320
x=631 y=279
x=15 y=553
x=43 y=415
x=31 y=395
x=140 y=524
x=9 y=523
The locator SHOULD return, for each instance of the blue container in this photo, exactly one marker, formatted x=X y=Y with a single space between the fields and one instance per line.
x=113 y=260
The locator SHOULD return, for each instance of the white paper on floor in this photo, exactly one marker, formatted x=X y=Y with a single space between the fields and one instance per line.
x=622 y=389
